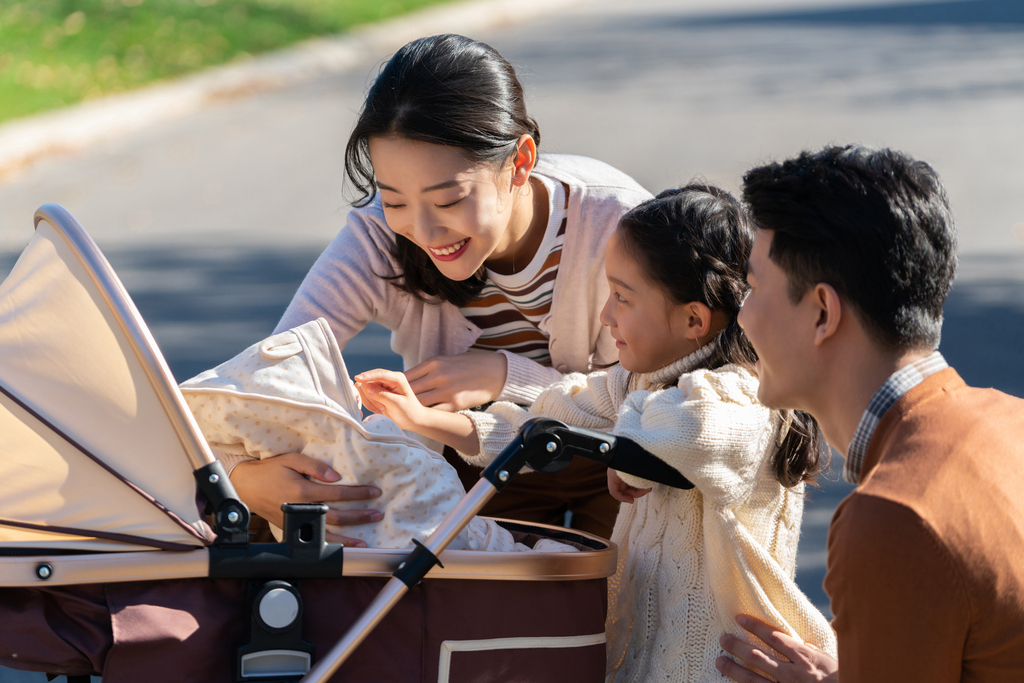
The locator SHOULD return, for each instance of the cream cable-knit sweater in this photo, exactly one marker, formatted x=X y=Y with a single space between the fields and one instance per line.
x=689 y=561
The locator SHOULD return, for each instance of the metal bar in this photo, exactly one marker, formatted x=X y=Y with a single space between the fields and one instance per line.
x=443 y=535
x=322 y=671
x=43 y=571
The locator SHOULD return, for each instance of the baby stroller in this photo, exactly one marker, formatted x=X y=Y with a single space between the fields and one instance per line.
x=125 y=551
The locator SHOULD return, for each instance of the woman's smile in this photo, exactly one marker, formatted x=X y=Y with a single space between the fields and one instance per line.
x=449 y=252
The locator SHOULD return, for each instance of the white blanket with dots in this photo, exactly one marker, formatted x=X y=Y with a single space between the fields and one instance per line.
x=291 y=393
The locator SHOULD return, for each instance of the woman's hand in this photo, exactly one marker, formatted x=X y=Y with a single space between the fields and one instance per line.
x=621 y=491
x=465 y=380
x=806 y=663
x=265 y=485
x=388 y=393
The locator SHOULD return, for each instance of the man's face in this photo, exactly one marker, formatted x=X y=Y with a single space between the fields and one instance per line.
x=781 y=331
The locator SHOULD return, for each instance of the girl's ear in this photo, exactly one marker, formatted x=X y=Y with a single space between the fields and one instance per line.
x=525 y=159
x=698 y=320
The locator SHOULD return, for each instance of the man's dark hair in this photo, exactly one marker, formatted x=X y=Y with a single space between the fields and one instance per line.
x=874 y=224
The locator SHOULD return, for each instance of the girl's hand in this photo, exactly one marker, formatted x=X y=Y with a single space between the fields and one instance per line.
x=388 y=393
x=621 y=491
x=265 y=485
x=458 y=382
x=800 y=663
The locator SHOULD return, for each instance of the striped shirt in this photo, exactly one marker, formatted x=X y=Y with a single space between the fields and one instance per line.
x=899 y=383
x=511 y=309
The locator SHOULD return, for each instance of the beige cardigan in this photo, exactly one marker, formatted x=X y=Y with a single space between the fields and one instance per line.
x=345 y=285
x=689 y=561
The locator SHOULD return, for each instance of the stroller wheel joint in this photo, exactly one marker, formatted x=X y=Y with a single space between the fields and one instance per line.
x=44 y=571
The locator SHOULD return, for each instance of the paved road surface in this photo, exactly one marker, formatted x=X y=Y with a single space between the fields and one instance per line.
x=212 y=220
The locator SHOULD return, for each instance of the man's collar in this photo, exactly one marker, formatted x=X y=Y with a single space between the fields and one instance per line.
x=899 y=383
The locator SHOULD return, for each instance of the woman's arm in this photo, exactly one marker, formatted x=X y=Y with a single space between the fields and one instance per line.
x=347 y=284
x=343 y=287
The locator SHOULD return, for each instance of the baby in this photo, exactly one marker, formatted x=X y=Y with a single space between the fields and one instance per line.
x=292 y=393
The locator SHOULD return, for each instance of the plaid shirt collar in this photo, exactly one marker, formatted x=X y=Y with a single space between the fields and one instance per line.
x=899 y=383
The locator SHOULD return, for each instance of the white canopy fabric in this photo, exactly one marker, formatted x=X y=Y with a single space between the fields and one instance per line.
x=95 y=449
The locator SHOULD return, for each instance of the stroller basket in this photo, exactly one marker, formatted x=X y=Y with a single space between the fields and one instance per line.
x=109 y=565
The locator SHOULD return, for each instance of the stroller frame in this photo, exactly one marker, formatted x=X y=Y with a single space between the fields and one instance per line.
x=276 y=650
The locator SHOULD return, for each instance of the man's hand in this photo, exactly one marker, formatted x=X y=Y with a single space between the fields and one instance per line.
x=802 y=663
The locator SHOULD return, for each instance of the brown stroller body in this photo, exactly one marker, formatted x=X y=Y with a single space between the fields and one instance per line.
x=125 y=552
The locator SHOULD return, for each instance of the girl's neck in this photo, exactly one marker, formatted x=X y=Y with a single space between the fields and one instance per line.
x=527 y=224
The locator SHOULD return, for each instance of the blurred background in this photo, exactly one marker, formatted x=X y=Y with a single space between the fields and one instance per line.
x=212 y=218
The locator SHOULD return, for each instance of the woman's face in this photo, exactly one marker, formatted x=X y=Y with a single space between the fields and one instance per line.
x=456 y=210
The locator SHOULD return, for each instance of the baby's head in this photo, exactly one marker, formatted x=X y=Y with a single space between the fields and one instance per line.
x=675 y=267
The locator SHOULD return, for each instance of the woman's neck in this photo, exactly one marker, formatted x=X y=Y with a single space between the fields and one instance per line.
x=527 y=225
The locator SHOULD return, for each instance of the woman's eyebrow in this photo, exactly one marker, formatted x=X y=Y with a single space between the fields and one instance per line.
x=620 y=283
x=441 y=186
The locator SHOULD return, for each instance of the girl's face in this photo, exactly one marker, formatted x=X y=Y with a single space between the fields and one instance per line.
x=649 y=329
x=458 y=211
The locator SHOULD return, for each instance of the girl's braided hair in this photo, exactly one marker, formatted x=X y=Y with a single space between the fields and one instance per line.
x=693 y=243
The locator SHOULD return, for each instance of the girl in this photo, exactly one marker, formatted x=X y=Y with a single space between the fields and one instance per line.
x=685 y=390
x=461 y=239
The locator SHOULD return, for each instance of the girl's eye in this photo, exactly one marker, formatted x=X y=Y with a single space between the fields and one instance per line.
x=619 y=298
x=448 y=206
x=391 y=206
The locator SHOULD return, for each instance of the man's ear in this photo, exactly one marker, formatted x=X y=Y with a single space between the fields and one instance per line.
x=524 y=160
x=829 y=309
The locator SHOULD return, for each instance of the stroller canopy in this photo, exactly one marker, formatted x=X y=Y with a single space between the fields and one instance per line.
x=97 y=447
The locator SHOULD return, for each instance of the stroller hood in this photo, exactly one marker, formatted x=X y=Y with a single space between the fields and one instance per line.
x=95 y=452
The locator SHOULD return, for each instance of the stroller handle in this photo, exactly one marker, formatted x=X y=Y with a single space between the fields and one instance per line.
x=564 y=442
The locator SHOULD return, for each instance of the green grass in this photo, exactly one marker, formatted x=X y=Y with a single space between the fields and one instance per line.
x=58 y=52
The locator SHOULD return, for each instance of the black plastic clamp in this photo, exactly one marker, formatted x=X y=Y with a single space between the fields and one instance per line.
x=416 y=565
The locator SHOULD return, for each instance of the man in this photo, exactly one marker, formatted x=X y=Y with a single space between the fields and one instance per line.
x=851 y=264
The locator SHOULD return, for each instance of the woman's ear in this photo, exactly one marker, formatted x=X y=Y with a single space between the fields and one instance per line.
x=524 y=160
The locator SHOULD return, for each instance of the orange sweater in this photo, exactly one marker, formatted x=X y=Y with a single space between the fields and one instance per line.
x=926 y=556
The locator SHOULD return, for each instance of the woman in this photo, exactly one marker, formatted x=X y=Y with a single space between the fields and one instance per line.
x=485 y=261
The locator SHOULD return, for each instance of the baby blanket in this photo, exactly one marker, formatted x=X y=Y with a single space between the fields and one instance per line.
x=292 y=393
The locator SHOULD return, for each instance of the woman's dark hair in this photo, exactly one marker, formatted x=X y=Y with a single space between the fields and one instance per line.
x=694 y=243
x=445 y=90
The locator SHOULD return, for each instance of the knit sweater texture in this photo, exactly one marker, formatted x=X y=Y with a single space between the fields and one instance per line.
x=689 y=561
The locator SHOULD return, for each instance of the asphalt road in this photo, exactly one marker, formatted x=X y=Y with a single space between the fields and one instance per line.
x=212 y=220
